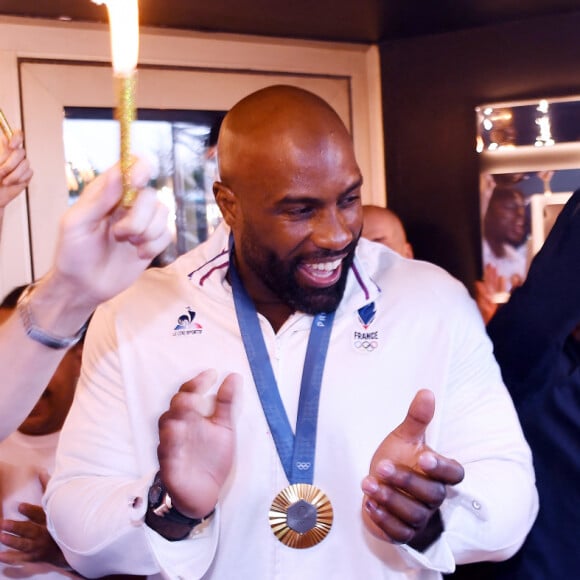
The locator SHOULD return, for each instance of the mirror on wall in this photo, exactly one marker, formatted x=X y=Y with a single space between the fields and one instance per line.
x=529 y=158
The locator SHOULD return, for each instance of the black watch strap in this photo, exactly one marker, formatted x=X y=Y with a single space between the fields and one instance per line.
x=164 y=518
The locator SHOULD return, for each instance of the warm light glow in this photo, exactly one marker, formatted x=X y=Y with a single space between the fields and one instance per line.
x=544 y=137
x=124 y=26
x=495 y=127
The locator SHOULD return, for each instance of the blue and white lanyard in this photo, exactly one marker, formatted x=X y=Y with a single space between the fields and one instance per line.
x=296 y=452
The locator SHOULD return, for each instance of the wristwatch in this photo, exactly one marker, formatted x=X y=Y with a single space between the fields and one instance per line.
x=38 y=334
x=164 y=518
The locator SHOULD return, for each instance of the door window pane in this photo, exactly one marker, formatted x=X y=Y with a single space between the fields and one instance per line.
x=180 y=146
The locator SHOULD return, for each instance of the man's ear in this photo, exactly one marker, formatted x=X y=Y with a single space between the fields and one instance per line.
x=227 y=202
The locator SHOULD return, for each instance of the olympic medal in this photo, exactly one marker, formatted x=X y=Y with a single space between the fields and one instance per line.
x=301 y=515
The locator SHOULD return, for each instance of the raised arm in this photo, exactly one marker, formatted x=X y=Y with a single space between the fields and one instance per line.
x=101 y=250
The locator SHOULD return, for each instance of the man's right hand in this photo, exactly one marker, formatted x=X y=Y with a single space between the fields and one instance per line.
x=196 y=443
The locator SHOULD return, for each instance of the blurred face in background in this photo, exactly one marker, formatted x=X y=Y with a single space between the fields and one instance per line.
x=384 y=227
x=505 y=217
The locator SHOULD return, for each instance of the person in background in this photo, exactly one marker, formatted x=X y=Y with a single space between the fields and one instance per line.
x=167 y=464
x=384 y=226
x=504 y=266
x=503 y=231
x=536 y=341
x=102 y=249
x=15 y=171
x=490 y=293
x=27 y=457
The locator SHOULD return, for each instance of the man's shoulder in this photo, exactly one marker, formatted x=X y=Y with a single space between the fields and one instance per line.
x=410 y=287
x=387 y=268
x=158 y=285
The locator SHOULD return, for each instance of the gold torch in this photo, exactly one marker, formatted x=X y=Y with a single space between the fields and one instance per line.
x=124 y=26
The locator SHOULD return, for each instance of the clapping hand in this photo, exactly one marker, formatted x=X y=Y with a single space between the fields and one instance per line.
x=407 y=481
x=196 y=443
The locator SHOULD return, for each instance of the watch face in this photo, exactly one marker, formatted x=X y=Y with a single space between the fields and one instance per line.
x=155 y=493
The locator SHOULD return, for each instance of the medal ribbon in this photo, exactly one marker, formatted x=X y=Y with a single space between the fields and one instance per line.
x=296 y=452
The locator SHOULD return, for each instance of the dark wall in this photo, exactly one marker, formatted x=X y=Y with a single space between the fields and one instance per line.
x=431 y=87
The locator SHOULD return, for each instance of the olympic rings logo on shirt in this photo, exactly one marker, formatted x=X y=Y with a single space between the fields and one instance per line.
x=368 y=345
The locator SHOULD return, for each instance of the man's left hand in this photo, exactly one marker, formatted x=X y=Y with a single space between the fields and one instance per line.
x=408 y=481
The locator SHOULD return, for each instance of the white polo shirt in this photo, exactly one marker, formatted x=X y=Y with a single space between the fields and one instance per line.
x=172 y=324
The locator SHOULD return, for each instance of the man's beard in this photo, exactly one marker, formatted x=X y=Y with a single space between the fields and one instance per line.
x=280 y=276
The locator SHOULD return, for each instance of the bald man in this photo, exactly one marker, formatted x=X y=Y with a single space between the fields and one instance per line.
x=288 y=400
x=384 y=226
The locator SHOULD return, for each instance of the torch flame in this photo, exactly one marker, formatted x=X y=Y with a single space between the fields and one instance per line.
x=124 y=26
